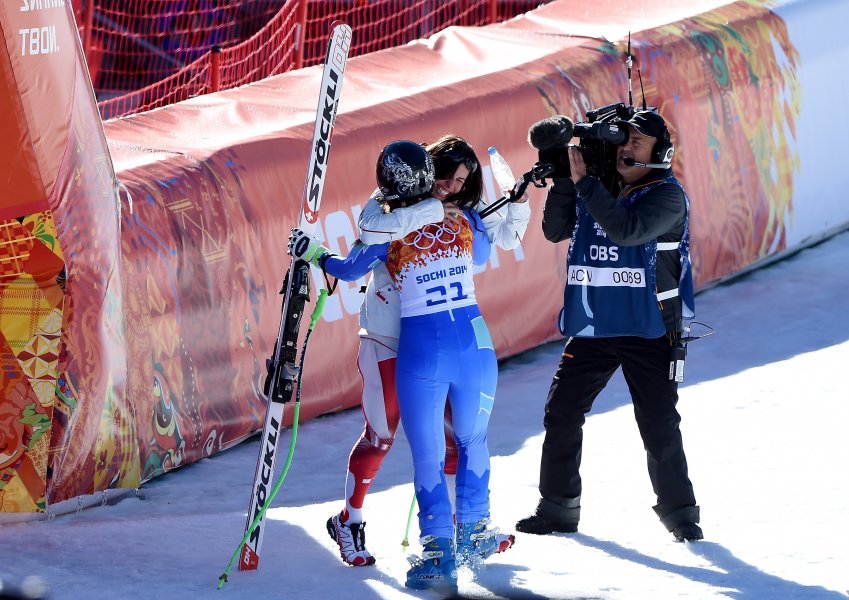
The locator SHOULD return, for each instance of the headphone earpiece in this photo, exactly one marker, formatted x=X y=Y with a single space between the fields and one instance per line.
x=663 y=149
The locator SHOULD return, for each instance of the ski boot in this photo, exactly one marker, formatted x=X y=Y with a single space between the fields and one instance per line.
x=351 y=539
x=476 y=542
x=437 y=567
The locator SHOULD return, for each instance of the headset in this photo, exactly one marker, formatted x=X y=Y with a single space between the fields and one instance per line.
x=661 y=154
x=663 y=149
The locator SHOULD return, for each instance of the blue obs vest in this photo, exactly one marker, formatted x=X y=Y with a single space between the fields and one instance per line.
x=611 y=290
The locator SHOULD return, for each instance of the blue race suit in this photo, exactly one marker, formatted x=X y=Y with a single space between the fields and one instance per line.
x=444 y=349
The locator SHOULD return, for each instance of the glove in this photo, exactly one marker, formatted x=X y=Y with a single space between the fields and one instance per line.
x=304 y=246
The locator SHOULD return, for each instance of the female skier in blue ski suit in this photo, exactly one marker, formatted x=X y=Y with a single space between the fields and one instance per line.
x=444 y=349
x=458 y=181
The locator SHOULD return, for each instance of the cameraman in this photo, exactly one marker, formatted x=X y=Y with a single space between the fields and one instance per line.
x=628 y=290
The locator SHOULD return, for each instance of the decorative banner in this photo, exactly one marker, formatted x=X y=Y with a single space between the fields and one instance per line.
x=63 y=409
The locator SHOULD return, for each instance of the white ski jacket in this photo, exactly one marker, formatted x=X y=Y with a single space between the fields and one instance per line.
x=380 y=312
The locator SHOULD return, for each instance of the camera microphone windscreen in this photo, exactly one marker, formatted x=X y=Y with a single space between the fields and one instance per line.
x=552 y=132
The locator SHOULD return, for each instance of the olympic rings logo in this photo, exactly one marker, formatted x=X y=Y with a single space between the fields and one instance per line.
x=427 y=237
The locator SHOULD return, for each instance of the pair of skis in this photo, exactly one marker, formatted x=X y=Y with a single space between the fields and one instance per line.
x=283 y=373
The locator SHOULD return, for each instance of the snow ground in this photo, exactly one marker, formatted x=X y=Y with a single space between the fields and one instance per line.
x=764 y=413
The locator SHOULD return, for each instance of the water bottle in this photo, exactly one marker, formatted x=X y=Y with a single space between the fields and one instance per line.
x=501 y=171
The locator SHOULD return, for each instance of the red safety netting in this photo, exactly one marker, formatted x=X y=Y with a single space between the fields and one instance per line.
x=143 y=54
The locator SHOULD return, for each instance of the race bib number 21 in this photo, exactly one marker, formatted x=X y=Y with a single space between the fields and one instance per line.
x=439 y=294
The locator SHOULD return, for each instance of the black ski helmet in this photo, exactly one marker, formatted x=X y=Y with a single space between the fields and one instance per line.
x=404 y=171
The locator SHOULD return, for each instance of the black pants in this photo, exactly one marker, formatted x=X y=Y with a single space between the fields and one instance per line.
x=585 y=368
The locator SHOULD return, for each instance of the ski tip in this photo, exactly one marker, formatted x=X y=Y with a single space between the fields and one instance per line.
x=249 y=560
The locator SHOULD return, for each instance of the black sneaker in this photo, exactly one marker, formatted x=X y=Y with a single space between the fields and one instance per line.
x=540 y=525
x=689 y=532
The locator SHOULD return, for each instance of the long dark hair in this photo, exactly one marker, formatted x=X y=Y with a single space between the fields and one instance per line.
x=448 y=153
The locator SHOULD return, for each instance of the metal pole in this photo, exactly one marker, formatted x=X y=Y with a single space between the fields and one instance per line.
x=215 y=68
x=301 y=34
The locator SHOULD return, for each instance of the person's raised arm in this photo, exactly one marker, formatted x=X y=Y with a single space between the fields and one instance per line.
x=379 y=227
x=659 y=211
x=558 y=216
x=506 y=227
x=360 y=260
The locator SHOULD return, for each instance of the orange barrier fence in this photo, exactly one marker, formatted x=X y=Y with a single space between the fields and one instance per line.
x=168 y=299
x=143 y=54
